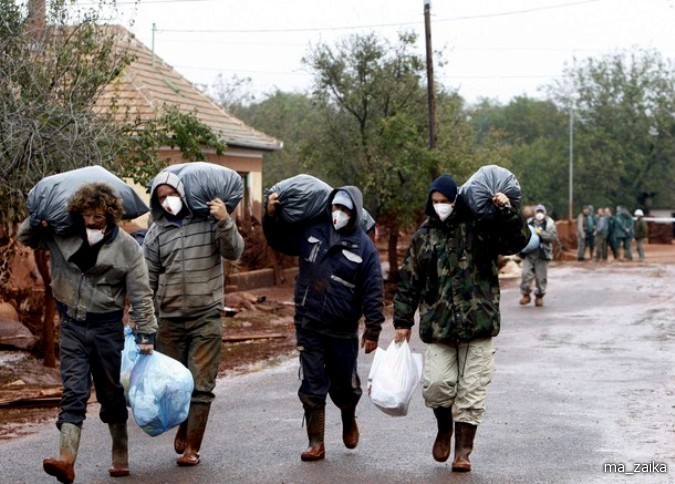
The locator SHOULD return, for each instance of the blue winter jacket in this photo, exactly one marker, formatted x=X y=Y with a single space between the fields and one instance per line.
x=340 y=275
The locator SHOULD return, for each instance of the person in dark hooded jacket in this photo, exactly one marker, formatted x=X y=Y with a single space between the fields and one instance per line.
x=339 y=281
x=450 y=272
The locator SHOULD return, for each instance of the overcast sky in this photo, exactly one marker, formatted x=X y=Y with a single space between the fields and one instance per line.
x=492 y=48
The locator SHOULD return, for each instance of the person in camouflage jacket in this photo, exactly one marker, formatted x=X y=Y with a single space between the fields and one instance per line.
x=450 y=273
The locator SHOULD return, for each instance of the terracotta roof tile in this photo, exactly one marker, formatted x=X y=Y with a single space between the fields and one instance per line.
x=148 y=84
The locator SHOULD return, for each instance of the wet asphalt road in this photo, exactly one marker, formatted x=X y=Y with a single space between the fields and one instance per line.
x=584 y=382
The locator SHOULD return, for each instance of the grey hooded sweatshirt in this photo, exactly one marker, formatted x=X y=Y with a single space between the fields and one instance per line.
x=184 y=254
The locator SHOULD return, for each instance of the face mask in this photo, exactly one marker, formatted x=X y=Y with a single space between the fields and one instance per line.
x=539 y=216
x=443 y=210
x=340 y=219
x=172 y=205
x=94 y=236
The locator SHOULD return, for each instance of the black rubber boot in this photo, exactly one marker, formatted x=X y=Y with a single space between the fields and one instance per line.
x=441 y=450
x=464 y=435
x=196 y=425
x=120 y=450
x=316 y=423
x=350 y=430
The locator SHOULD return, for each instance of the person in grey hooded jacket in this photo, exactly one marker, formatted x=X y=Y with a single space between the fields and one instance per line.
x=535 y=263
x=339 y=281
x=184 y=257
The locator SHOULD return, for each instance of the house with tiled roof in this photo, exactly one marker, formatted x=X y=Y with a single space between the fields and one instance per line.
x=149 y=85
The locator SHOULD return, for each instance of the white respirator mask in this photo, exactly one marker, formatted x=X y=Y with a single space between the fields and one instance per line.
x=539 y=216
x=340 y=219
x=443 y=210
x=172 y=204
x=94 y=236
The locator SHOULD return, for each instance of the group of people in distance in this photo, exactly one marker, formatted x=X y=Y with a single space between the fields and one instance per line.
x=600 y=231
x=174 y=284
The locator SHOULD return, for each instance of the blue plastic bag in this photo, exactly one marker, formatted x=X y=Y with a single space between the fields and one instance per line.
x=159 y=392
x=130 y=354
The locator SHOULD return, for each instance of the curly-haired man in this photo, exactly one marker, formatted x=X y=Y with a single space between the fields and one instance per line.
x=93 y=273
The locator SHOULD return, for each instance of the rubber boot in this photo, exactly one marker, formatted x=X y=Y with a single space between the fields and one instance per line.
x=441 y=450
x=350 y=430
x=180 y=442
x=63 y=467
x=196 y=425
x=120 y=450
x=464 y=435
x=316 y=423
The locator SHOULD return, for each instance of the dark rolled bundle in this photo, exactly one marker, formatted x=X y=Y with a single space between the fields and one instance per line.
x=303 y=199
x=476 y=194
x=49 y=198
x=205 y=181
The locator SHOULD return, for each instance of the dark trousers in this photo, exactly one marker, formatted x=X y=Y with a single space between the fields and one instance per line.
x=328 y=367
x=197 y=343
x=91 y=351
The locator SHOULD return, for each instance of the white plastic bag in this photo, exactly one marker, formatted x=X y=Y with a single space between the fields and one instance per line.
x=393 y=378
x=159 y=392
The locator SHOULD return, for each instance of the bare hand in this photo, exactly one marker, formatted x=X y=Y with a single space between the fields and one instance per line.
x=402 y=335
x=272 y=203
x=368 y=345
x=501 y=200
x=218 y=209
x=145 y=348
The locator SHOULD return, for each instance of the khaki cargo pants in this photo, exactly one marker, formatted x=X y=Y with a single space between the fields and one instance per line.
x=457 y=375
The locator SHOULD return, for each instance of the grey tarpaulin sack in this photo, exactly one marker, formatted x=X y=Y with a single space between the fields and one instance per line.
x=205 y=181
x=304 y=199
x=48 y=199
x=478 y=191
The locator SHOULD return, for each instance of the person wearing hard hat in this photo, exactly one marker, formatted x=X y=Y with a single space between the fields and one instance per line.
x=641 y=233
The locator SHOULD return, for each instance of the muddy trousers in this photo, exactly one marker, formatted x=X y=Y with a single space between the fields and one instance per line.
x=457 y=376
x=534 y=269
x=197 y=344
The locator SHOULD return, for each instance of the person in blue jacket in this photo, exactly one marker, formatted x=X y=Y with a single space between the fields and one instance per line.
x=339 y=281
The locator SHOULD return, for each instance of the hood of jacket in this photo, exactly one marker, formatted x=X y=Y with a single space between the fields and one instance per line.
x=165 y=178
x=357 y=198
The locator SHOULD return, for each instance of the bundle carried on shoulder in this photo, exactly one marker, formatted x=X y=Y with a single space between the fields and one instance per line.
x=49 y=198
x=303 y=199
x=476 y=194
x=205 y=181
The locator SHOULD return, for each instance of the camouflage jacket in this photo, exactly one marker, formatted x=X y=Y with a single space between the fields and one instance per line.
x=450 y=272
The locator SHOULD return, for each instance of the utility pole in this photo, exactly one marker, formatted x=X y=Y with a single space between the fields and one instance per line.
x=430 y=82
x=571 y=163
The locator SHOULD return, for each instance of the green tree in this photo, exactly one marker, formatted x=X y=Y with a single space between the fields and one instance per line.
x=373 y=127
x=533 y=138
x=51 y=77
x=624 y=128
x=289 y=117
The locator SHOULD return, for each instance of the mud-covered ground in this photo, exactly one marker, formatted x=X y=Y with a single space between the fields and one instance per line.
x=268 y=312
x=260 y=334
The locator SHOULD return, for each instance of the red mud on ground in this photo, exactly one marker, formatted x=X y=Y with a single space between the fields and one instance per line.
x=260 y=334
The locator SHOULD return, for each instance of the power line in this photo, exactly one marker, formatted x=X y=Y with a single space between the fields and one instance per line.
x=374 y=26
